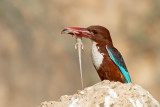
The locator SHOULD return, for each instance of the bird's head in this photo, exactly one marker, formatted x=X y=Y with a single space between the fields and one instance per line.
x=95 y=33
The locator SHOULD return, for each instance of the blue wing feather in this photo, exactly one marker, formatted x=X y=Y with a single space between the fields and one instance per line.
x=118 y=60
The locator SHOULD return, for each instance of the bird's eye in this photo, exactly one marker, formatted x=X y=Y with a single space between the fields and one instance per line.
x=95 y=32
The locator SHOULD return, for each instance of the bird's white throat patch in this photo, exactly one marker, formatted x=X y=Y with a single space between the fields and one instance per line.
x=96 y=55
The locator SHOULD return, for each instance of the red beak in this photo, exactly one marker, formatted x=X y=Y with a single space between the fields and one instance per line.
x=81 y=32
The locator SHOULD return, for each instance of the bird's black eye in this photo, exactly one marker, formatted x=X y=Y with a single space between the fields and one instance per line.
x=95 y=32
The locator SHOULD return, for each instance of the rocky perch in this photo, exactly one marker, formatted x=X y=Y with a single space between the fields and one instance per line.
x=107 y=94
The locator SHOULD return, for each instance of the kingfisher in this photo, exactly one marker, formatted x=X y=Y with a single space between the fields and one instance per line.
x=106 y=59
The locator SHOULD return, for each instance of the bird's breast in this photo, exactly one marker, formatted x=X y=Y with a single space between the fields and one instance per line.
x=97 y=57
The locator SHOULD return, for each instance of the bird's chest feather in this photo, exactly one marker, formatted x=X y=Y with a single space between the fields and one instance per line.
x=97 y=57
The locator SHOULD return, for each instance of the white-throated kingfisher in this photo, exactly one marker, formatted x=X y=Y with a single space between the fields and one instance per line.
x=107 y=60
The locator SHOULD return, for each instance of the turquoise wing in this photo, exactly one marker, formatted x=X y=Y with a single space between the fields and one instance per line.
x=118 y=60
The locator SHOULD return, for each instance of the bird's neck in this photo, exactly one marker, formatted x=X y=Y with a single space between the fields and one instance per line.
x=98 y=52
x=97 y=55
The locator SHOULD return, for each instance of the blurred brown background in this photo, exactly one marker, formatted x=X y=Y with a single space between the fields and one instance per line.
x=37 y=63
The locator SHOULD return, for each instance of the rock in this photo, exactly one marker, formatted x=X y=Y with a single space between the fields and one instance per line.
x=106 y=94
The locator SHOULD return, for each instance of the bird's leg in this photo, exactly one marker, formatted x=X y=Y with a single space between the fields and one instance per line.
x=79 y=47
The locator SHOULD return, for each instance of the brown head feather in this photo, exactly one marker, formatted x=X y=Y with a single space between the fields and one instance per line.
x=100 y=34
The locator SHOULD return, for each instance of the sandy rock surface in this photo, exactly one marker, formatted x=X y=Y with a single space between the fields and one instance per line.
x=107 y=94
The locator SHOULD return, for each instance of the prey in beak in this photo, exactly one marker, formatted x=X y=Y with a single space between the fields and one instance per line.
x=80 y=32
